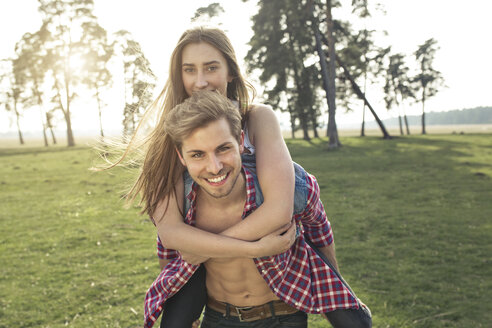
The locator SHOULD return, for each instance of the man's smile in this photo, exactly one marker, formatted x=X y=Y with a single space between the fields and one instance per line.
x=217 y=180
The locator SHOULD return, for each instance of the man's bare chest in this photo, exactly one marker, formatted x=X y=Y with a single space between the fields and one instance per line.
x=216 y=219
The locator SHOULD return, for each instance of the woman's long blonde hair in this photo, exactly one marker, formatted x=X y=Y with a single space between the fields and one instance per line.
x=161 y=168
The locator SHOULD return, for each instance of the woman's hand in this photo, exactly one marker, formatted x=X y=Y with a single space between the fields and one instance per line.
x=278 y=241
x=193 y=258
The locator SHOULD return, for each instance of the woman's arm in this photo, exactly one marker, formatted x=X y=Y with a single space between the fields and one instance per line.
x=275 y=174
x=175 y=234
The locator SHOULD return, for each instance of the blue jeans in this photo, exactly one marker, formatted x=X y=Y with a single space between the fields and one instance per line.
x=214 y=319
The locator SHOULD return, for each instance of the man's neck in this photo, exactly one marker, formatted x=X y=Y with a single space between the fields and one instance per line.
x=237 y=194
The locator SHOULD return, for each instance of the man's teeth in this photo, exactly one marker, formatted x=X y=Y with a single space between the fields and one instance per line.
x=218 y=179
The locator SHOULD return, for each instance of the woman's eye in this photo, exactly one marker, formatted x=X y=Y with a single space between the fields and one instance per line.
x=198 y=155
x=213 y=68
x=188 y=70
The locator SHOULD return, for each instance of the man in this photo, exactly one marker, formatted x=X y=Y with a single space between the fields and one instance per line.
x=266 y=291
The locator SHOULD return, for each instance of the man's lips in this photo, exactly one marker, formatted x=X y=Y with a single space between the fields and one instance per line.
x=218 y=180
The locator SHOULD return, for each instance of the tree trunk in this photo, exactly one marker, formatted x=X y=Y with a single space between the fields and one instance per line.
x=401 y=124
x=66 y=115
x=305 y=127
x=359 y=93
x=316 y=135
x=327 y=72
x=314 y=123
x=50 y=127
x=17 y=116
x=362 y=128
x=332 y=131
x=70 y=139
x=45 y=137
x=292 y=123
x=52 y=135
x=100 y=112
x=40 y=104
x=406 y=123
x=423 y=111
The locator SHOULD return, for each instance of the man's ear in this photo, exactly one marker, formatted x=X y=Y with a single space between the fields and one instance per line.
x=180 y=157
x=241 y=143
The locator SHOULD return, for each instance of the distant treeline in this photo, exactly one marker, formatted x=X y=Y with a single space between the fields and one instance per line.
x=478 y=115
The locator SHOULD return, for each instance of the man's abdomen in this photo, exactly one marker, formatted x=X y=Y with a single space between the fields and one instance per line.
x=237 y=282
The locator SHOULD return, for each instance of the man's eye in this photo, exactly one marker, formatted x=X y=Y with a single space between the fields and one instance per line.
x=222 y=149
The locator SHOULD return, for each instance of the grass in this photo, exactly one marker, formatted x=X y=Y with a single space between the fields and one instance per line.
x=412 y=218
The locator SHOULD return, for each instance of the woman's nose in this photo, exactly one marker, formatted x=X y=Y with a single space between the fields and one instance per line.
x=201 y=81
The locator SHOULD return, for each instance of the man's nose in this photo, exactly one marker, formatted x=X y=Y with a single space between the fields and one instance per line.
x=214 y=165
x=201 y=81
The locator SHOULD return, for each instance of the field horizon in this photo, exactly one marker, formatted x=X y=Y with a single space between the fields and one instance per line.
x=89 y=140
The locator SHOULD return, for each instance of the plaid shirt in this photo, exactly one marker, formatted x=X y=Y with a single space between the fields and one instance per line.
x=298 y=276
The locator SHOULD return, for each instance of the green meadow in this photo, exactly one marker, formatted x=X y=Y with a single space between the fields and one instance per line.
x=412 y=218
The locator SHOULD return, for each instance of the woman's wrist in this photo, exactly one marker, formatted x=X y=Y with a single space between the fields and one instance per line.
x=255 y=249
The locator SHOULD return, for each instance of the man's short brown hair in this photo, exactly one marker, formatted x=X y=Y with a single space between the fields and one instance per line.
x=202 y=108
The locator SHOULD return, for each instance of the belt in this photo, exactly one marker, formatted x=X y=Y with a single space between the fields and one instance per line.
x=251 y=313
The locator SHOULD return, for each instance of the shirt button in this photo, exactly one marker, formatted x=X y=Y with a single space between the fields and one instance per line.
x=297 y=304
x=263 y=271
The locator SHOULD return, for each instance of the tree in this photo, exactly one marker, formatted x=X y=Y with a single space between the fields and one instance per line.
x=352 y=66
x=428 y=80
x=139 y=80
x=332 y=131
x=281 y=49
x=96 y=57
x=31 y=65
x=212 y=10
x=372 y=58
x=64 y=19
x=11 y=92
x=397 y=86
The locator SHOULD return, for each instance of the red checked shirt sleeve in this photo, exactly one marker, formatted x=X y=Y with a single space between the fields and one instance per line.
x=164 y=253
x=314 y=220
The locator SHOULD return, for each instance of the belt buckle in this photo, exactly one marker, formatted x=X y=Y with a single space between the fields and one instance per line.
x=239 y=309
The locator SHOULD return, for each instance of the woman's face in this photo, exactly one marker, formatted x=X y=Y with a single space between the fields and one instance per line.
x=204 y=68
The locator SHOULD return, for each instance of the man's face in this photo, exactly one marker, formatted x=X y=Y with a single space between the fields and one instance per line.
x=213 y=158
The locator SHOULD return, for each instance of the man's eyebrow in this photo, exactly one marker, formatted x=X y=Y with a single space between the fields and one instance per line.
x=227 y=143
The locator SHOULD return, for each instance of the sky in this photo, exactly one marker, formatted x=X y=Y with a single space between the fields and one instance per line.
x=461 y=29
